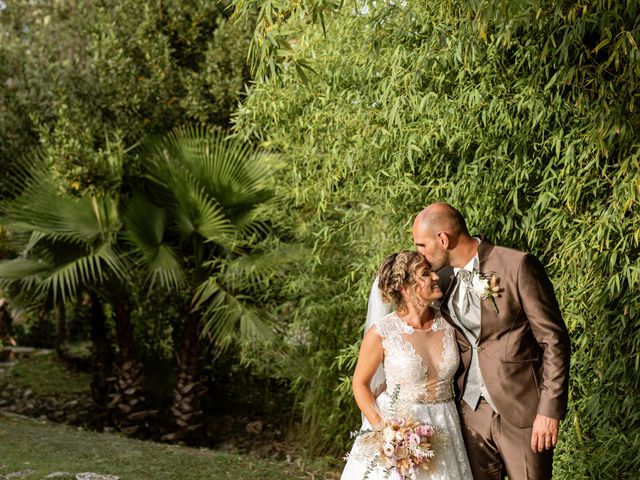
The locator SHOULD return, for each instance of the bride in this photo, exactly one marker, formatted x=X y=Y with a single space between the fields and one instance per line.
x=418 y=352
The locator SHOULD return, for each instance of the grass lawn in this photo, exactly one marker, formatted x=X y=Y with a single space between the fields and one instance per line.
x=45 y=374
x=45 y=448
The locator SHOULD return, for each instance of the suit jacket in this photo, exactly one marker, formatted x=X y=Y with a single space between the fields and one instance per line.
x=523 y=350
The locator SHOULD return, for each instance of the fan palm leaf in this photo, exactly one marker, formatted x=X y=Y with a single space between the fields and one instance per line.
x=41 y=207
x=21 y=269
x=232 y=171
x=198 y=213
x=57 y=217
x=178 y=190
x=145 y=225
x=69 y=239
x=227 y=170
x=62 y=280
x=224 y=297
x=228 y=312
x=66 y=279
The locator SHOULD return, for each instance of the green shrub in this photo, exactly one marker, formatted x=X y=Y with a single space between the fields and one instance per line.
x=77 y=77
x=37 y=332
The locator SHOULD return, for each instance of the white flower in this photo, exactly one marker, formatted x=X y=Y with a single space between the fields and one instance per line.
x=388 y=434
x=388 y=449
x=486 y=287
x=479 y=284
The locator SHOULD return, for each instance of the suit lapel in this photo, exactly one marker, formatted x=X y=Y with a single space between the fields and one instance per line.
x=484 y=251
x=448 y=283
x=459 y=333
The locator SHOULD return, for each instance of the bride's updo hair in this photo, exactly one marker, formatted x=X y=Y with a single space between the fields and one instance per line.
x=398 y=271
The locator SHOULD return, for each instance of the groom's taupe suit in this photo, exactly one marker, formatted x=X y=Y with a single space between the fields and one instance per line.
x=523 y=354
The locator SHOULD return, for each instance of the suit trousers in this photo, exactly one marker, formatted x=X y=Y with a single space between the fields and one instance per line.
x=496 y=448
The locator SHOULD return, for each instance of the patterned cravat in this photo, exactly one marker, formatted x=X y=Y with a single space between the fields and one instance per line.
x=466 y=277
x=469 y=318
x=468 y=301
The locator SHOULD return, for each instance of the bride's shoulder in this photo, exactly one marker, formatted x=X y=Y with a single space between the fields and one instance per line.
x=390 y=325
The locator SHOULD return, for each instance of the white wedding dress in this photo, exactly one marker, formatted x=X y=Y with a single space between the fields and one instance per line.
x=419 y=366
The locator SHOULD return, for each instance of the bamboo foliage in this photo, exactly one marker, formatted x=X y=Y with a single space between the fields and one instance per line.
x=524 y=115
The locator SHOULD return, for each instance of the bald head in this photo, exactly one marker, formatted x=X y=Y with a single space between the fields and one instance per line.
x=441 y=217
x=440 y=234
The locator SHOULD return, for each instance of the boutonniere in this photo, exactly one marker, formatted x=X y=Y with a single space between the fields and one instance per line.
x=486 y=286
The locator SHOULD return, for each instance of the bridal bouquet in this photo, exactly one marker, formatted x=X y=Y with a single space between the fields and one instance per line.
x=402 y=446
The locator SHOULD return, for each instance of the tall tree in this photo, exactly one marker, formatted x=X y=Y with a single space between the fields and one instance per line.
x=69 y=245
x=73 y=73
x=203 y=194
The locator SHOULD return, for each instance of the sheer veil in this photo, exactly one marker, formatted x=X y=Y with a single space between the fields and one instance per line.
x=375 y=311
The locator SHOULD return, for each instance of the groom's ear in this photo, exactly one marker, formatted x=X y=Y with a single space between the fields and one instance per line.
x=443 y=239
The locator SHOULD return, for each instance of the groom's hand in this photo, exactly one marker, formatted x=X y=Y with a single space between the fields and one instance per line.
x=544 y=435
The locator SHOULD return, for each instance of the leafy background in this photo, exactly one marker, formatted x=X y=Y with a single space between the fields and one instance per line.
x=522 y=113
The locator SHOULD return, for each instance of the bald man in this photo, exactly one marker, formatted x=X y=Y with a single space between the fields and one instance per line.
x=512 y=382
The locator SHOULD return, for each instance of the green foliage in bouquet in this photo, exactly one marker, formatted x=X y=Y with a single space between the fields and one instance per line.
x=521 y=113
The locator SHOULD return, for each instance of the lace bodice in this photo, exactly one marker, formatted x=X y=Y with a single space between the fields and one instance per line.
x=418 y=364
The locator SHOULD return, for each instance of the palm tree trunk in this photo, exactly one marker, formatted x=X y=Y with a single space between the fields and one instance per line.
x=189 y=390
x=103 y=354
x=61 y=329
x=126 y=398
x=5 y=329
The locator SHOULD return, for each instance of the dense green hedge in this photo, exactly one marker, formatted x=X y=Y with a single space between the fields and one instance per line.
x=76 y=76
x=521 y=113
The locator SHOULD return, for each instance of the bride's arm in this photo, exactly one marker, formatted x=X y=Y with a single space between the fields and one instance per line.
x=376 y=309
x=369 y=358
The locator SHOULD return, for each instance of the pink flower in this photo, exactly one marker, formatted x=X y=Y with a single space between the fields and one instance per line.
x=414 y=439
x=424 y=430
x=398 y=422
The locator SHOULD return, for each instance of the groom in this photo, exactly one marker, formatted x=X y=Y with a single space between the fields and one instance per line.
x=512 y=383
